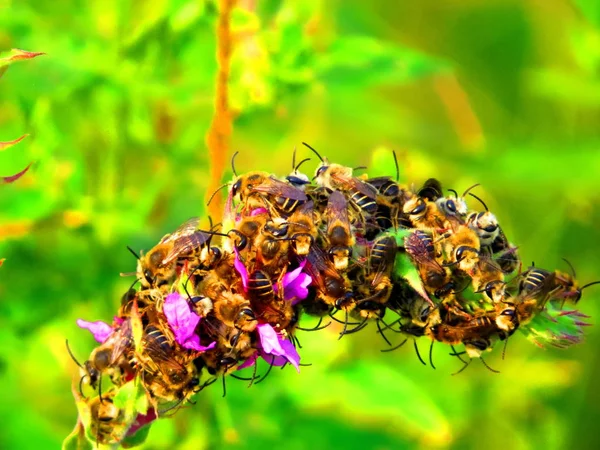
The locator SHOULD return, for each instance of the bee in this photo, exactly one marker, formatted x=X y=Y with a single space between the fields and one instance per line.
x=462 y=247
x=336 y=177
x=422 y=213
x=259 y=189
x=303 y=229
x=296 y=178
x=158 y=267
x=272 y=246
x=454 y=208
x=108 y=424
x=436 y=278
x=477 y=334
x=377 y=281
x=235 y=311
x=567 y=287
x=269 y=307
x=233 y=345
x=537 y=284
x=165 y=374
x=111 y=356
x=492 y=238
x=388 y=190
x=331 y=287
x=339 y=233
x=488 y=278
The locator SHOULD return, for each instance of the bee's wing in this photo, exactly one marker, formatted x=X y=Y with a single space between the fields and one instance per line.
x=159 y=356
x=387 y=262
x=278 y=188
x=185 y=229
x=356 y=184
x=120 y=340
x=186 y=244
x=337 y=209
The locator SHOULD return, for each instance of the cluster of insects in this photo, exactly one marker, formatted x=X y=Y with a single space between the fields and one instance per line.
x=343 y=247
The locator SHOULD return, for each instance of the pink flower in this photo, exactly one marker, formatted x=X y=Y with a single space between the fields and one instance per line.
x=274 y=349
x=295 y=284
x=183 y=322
x=241 y=269
x=100 y=330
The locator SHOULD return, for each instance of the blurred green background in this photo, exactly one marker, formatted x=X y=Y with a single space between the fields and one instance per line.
x=505 y=93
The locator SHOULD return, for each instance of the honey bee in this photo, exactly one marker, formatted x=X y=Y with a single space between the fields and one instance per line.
x=377 y=281
x=388 y=190
x=422 y=213
x=158 y=267
x=492 y=238
x=476 y=334
x=436 y=278
x=269 y=307
x=339 y=233
x=235 y=311
x=168 y=373
x=331 y=287
x=296 y=178
x=108 y=424
x=489 y=279
x=303 y=230
x=111 y=356
x=340 y=178
x=273 y=246
x=259 y=189
x=569 y=286
x=462 y=247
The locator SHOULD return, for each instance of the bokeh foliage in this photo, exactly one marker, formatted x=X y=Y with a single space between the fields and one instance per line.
x=502 y=92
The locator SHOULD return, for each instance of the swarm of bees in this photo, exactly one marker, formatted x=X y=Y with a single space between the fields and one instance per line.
x=416 y=262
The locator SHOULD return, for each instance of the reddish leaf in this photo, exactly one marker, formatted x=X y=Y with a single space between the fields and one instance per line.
x=7 y=144
x=14 y=56
x=2 y=261
x=15 y=177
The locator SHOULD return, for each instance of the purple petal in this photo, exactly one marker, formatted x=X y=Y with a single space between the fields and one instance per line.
x=269 y=340
x=249 y=362
x=193 y=343
x=100 y=330
x=295 y=284
x=241 y=269
x=181 y=318
x=291 y=354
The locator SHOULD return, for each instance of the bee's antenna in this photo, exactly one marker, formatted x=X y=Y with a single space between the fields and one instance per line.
x=468 y=189
x=571 y=266
x=215 y=193
x=133 y=252
x=315 y=152
x=480 y=201
x=233 y=164
x=300 y=163
x=454 y=192
x=396 y=164
x=589 y=284
x=72 y=355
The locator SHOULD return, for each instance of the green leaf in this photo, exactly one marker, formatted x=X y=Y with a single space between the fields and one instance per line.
x=136 y=439
x=404 y=268
x=77 y=440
